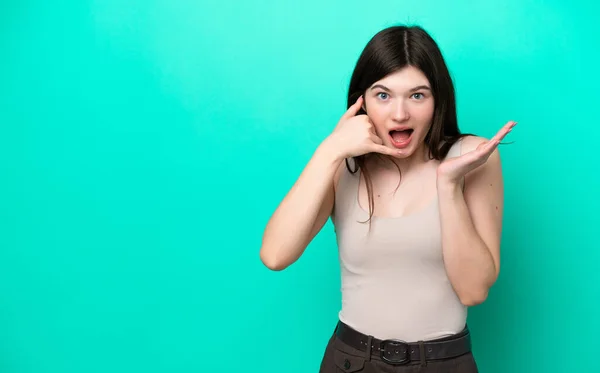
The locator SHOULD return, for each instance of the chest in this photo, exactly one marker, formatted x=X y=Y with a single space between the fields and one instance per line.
x=393 y=244
x=396 y=195
x=405 y=231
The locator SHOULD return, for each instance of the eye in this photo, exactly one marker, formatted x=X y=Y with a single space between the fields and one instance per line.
x=420 y=96
x=383 y=95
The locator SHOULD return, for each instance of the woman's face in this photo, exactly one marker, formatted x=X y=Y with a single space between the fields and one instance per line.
x=401 y=108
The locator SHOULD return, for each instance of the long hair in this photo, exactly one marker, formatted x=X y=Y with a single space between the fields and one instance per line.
x=390 y=50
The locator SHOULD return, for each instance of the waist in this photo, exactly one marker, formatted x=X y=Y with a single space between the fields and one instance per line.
x=417 y=317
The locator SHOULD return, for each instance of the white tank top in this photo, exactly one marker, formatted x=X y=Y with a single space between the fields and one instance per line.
x=394 y=283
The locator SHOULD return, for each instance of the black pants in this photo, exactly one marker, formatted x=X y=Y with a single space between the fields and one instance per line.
x=339 y=357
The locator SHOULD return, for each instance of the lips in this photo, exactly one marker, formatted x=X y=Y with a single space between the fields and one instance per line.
x=401 y=138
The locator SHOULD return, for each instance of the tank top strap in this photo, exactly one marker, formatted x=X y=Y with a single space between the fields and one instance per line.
x=455 y=149
x=346 y=192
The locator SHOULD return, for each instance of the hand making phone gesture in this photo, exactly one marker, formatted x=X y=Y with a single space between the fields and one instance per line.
x=355 y=135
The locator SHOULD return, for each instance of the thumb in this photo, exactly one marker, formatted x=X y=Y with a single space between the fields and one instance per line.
x=352 y=110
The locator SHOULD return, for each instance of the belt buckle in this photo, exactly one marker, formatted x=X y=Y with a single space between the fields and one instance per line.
x=395 y=351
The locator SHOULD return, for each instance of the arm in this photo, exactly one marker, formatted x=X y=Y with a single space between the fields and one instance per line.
x=471 y=221
x=303 y=212
x=309 y=203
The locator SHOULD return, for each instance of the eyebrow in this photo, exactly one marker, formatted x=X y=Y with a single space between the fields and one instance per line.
x=411 y=90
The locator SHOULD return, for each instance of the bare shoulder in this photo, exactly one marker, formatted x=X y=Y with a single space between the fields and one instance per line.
x=471 y=142
x=489 y=173
x=491 y=166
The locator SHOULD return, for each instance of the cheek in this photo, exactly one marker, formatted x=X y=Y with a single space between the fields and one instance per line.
x=424 y=113
x=373 y=108
x=377 y=115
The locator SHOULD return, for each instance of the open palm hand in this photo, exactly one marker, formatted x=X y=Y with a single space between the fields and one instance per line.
x=453 y=169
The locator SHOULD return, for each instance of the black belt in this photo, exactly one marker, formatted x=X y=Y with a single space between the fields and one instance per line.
x=397 y=352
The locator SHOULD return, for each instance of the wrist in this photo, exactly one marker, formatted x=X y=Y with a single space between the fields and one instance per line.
x=448 y=186
x=329 y=150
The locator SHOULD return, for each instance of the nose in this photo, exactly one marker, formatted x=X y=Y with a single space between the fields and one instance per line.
x=401 y=112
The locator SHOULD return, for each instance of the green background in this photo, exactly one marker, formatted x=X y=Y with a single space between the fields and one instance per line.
x=144 y=145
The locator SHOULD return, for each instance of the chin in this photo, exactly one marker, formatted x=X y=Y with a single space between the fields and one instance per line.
x=407 y=149
x=405 y=153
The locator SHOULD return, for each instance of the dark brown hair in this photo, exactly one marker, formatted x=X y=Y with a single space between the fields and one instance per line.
x=391 y=50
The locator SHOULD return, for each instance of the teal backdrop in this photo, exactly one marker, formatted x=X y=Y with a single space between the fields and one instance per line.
x=145 y=144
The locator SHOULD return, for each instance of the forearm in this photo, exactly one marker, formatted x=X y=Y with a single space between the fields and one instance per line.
x=308 y=202
x=469 y=262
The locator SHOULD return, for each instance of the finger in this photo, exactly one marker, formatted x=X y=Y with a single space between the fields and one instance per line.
x=382 y=149
x=376 y=139
x=487 y=149
x=371 y=129
x=352 y=110
x=491 y=145
x=504 y=131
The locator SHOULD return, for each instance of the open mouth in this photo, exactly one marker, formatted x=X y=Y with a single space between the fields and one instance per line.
x=401 y=138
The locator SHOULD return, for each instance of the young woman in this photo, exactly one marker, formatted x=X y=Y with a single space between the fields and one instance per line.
x=417 y=209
